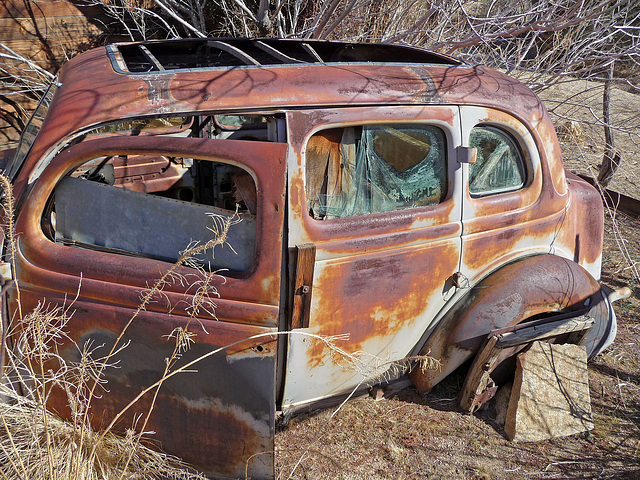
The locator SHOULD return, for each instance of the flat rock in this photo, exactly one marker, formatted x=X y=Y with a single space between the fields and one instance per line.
x=550 y=395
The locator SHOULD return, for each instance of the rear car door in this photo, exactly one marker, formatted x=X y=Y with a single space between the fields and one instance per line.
x=107 y=219
x=374 y=237
x=506 y=212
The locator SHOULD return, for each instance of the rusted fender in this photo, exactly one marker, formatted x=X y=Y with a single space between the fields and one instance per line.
x=516 y=292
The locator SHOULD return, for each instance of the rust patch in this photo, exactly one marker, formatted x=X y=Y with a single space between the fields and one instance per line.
x=212 y=437
x=584 y=231
x=378 y=295
x=217 y=440
x=394 y=226
x=484 y=249
x=216 y=416
x=521 y=290
x=553 y=154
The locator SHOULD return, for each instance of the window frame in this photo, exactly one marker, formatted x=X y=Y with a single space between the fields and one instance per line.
x=522 y=159
x=264 y=160
x=77 y=224
x=449 y=149
x=507 y=208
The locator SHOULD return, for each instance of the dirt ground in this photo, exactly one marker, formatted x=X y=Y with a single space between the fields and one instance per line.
x=409 y=436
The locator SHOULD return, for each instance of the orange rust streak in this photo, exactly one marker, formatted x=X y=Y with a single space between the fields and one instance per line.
x=484 y=249
x=222 y=452
x=377 y=295
x=551 y=149
x=582 y=232
x=506 y=202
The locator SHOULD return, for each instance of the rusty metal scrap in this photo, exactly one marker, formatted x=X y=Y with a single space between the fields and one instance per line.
x=433 y=268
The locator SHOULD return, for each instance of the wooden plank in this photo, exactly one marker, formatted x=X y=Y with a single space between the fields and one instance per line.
x=35 y=52
x=59 y=28
x=477 y=378
x=303 y=284
x=39 y=30
x=542 y=332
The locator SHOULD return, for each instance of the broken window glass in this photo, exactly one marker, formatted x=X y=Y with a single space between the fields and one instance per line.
x=237 y=122
x=499 y=165
x=244 y=127
x=156 y=206
x=375 y=168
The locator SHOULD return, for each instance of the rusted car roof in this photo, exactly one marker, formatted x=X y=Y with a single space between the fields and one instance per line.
x=95 y=89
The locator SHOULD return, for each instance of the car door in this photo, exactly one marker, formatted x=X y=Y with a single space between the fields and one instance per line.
x=508 y=210
x=106 y=242
x=374 y=238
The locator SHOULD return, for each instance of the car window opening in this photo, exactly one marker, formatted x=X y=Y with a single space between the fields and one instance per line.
x=156 y=206
x=375 y=168
x=160 y=56
x=220 y=127
x=499 y=165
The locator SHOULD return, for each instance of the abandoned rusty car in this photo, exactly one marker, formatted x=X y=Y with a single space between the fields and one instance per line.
x=397 y=201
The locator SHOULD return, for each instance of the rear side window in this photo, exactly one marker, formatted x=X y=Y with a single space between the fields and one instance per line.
x=499 y=163
x=156 y=206
x=368 y=169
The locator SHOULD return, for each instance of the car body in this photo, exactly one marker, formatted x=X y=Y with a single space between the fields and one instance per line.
x=395 y=200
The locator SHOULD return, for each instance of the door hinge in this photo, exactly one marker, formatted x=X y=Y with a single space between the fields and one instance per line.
x=467 y=154
x=303 y=285
x=6 y=274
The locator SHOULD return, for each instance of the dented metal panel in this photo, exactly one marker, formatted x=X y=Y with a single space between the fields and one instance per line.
x=514 y=293
x=216 y=415
x=220 y=414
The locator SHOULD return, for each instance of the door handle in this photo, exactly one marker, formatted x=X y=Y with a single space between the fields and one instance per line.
x=467 y=154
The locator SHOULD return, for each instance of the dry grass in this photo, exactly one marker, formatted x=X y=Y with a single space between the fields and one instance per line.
x=34 y=443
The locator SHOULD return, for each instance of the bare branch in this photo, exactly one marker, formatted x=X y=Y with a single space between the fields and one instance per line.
x=179 y=19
